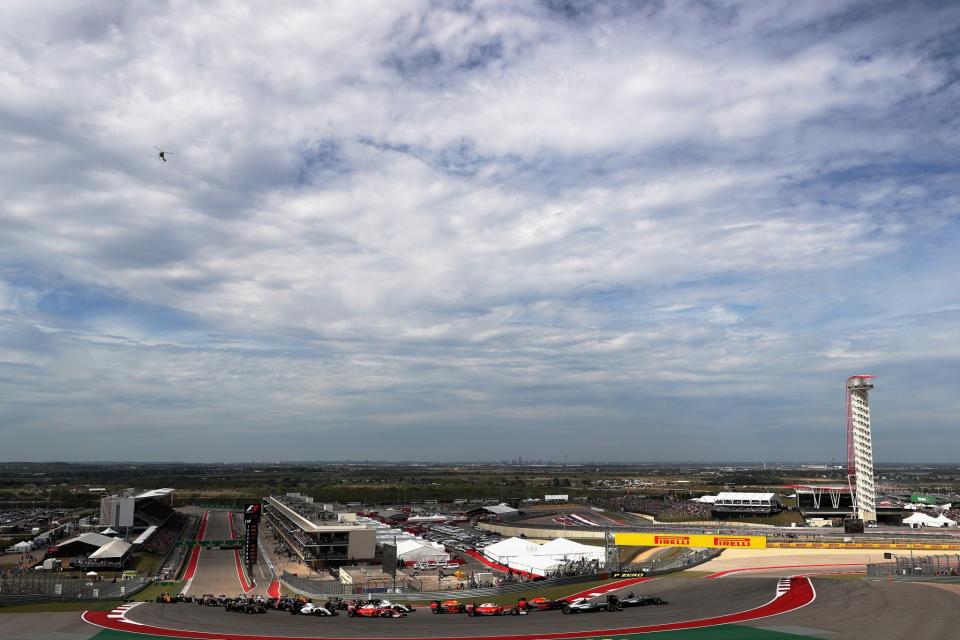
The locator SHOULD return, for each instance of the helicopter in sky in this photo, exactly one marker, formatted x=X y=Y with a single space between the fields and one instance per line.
x=163 y=154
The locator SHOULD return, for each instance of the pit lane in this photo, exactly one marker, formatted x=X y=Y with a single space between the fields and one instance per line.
x=693 y=603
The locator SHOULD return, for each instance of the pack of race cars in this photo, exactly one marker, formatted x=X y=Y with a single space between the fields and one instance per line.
x=300 y=605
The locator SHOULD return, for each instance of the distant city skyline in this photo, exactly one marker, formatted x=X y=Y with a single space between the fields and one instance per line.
x=415 y=230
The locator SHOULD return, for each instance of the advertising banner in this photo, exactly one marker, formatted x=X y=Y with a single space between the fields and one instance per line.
x=251 y=521
x=690 y=540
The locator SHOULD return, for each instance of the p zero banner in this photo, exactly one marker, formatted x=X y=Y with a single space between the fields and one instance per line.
x=689 y=540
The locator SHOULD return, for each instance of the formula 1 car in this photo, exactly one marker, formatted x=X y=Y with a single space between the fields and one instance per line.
x=539 y=604
x=311 y=609
x=447 y=606
x=640 y=601
x=396 y=606
x=491 y=609
x=370 y=610
x=585 y=605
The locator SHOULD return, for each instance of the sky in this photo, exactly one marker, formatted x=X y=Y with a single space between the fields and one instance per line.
x=477 y=230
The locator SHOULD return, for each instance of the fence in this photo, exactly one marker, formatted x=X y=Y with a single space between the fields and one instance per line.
x=945 y=566
x=29 y=583
x=654 y=567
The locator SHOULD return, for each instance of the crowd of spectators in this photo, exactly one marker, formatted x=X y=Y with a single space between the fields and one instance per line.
x=164 y=538
x=662 y=507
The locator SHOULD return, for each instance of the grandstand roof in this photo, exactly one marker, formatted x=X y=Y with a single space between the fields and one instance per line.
x=733 y=495
x=90 y=538
x=820 y=487
x=154 y=493
x=500 y=509
x=114 y=549
x=143 y=537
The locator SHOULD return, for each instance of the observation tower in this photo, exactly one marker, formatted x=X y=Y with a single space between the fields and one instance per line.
x=860 y=447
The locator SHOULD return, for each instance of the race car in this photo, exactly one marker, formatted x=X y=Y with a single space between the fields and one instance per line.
x=371 y=610
x=640 y=601
x=491 y=609
x=585 y=605
x=403 y=608
x=539 y=604
x=447 y=606
x=311 y=609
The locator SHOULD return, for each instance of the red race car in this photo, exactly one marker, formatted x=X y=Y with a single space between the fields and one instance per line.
x=371 y=610
x=447 y=606
x=491 y=609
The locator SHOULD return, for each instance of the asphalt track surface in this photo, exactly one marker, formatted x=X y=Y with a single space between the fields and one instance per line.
x=218 y=571
x=689 y=600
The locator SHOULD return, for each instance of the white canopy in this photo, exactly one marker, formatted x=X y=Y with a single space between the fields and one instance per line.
x=563 y=549
x=90 y=574
x=113 y=550
x=420 y=551
x=944 y=521
x=20 y=547
x=510 y=548
x=537 y=565
x=920 y=518
x=705 y=499
x=109 y=532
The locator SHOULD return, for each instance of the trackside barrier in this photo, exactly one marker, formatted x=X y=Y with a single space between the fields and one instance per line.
x=945 y=567
x=323 y=588
x=788 y=538
x=907 y=546
x=55 y=587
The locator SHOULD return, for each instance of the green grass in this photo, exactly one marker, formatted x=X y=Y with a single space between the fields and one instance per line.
x=145 y=563
x=150 y=593
x=46 y=607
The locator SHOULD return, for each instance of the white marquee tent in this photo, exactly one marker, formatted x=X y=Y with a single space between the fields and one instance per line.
x=920 y=519
x=421 y=551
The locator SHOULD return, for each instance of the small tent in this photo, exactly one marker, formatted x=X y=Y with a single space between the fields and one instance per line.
x=109 y=532
x=20 y=547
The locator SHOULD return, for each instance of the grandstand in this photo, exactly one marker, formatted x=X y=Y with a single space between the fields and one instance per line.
x=764 y=504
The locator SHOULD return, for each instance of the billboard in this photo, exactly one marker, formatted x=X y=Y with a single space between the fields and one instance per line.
x=251 y=522
x=390 y=559
x=918 y=498
x=559 y=497
x=690 y=540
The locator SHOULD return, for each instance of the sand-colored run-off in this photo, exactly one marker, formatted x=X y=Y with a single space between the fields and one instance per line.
x=748 y=558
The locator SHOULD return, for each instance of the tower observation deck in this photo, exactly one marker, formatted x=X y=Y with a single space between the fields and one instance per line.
x=860 y=447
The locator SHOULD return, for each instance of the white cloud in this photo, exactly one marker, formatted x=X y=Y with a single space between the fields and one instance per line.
x=406 y=213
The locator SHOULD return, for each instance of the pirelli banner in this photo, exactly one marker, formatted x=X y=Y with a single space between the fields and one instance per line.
x=689 y=540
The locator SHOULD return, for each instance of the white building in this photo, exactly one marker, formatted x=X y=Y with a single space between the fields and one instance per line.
x=860 y=447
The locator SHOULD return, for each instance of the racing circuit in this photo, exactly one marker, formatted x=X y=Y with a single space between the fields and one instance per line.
x=763 y=606
x=766 y=595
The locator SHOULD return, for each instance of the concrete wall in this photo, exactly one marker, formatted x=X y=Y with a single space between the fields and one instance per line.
x=363 y=544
